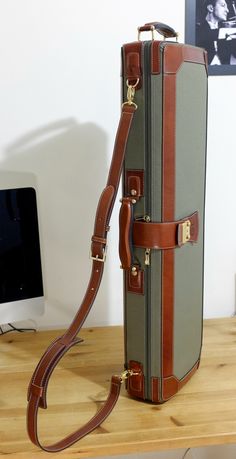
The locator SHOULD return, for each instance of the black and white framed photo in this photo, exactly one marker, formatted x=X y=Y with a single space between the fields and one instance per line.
x=211 y=24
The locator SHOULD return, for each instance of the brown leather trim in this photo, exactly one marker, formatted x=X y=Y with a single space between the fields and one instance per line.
x=173 y=57
x=169 y=117
x=176 y=54
x=132 y=68
x=155 y=58
x=167 y=311
x=133 y=179
x=168 y=215
x=166 y=235
x=170 y=385
x=135 y=385
x=135 y=284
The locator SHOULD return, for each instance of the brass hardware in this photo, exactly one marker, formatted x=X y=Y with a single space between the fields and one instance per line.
x=144 y=218
x=133 y=193
x=176 y=37
x=131 y=93
x=147 y=257
x=127 y=373
x=133 y=201
x=152 y=29
x=97 y=258
x=186 y=231
x=134 y=271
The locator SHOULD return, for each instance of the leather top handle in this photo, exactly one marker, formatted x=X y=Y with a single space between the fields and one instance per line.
x=163 y=29
x=125 y=232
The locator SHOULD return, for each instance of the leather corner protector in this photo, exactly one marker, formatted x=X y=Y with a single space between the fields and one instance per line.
x=176 y=55
x=135 y=283
x=171 y=385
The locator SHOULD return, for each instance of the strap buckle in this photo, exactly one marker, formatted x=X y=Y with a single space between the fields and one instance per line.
x=131 y=94
x=97 y=258
x=186 y=226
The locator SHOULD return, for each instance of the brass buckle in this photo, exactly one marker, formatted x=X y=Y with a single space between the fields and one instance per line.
x=186 y=226
x=97 y=258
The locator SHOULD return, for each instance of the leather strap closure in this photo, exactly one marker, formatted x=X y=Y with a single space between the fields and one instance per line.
x=166 y=235
x=147 y=235
x=99 y=241
x=39 y=382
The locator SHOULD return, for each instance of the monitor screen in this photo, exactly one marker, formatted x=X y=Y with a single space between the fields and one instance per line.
x=20 y=261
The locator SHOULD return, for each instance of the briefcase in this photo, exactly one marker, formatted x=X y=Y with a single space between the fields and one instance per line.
x=162 y=213
x=160 y=151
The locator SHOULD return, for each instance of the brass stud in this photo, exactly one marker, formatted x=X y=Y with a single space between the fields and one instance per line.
x=133 y=193
x=133 y=201
x=134 y=271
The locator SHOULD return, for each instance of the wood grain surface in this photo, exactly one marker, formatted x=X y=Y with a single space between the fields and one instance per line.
x=202 y=413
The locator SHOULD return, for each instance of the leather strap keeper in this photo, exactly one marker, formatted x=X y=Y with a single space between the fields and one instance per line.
x=167 y=235
x=133 y=66
x=133 y=63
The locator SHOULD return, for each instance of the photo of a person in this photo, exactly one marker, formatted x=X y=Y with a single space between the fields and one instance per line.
x=216 y=30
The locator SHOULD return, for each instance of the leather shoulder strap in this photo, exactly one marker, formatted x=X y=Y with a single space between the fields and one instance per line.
x=39 y=381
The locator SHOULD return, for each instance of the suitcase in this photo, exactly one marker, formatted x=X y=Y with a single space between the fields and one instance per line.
x=160 y=147
x=162 y=234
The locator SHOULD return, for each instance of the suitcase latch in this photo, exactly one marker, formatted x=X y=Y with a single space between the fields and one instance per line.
x=186 y=226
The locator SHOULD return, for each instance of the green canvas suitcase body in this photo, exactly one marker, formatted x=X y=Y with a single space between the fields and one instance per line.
x=161 y=148
x=162 y=246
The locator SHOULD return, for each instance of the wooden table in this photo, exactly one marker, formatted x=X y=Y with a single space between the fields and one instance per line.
x=203 y=413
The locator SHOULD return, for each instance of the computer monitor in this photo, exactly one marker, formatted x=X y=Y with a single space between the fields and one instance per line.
x=21 y=279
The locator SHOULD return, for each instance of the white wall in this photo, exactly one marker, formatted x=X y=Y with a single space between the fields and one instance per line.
x=60 y=103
